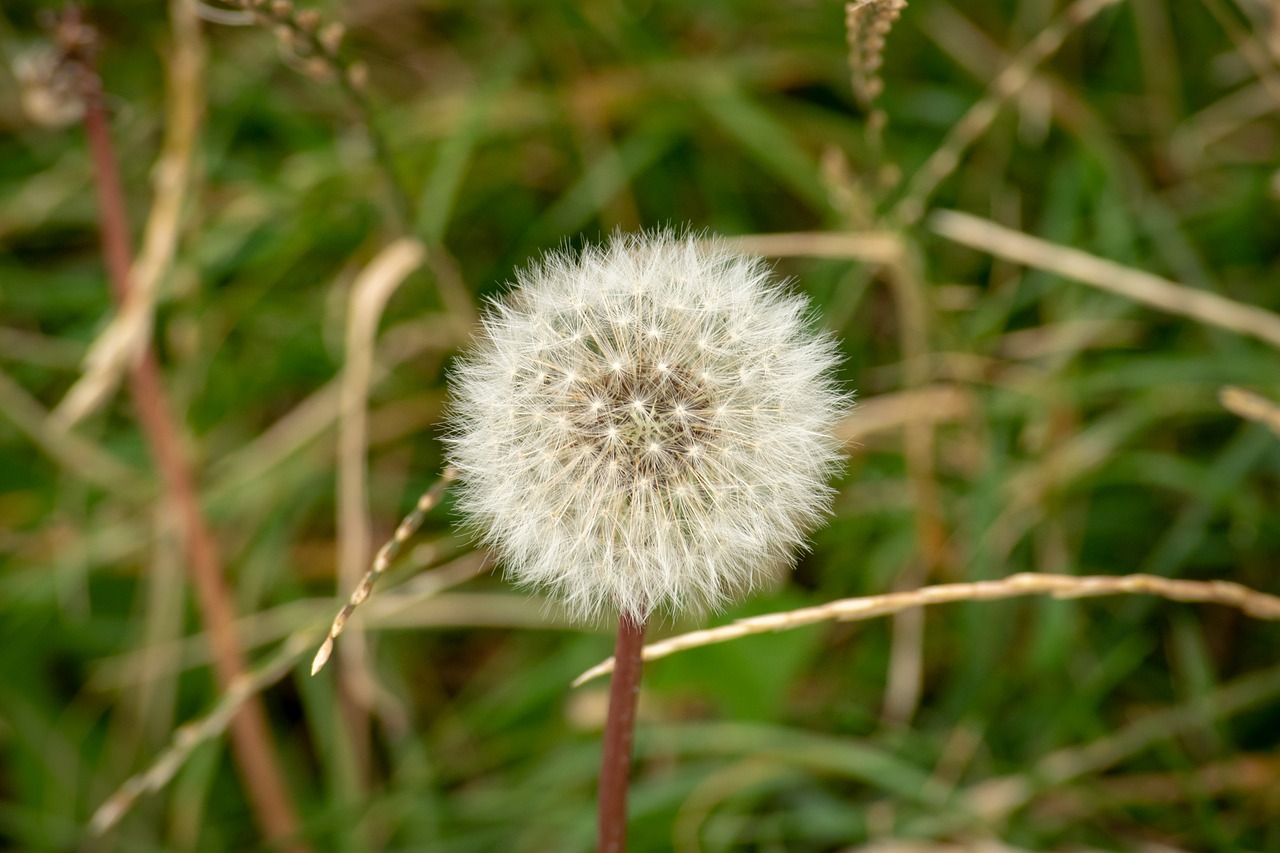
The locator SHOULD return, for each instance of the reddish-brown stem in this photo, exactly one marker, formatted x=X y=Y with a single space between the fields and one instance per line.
x=615 y=765
x=250 y=734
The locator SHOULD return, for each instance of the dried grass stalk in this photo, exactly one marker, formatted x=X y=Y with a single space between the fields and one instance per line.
x=1137 y=285
x=867 y=23
x=1259 y=605
x=386 y=554
x=1250 y=406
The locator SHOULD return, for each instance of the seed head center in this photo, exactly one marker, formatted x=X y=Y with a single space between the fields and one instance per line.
x=648 y=421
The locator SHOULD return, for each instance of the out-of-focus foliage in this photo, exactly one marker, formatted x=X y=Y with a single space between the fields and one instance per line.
x=1090 y=439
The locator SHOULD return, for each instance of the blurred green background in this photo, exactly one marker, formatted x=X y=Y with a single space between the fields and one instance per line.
x=1069 y=430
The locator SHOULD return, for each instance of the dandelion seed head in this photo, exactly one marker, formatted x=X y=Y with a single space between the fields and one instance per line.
x=646 y=426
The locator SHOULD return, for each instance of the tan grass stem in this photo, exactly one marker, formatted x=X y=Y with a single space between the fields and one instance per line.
x=873 y=247
x=1139 y=286
x=128 y=333
x=381 y=562
x=369 y=295
x=1259 y=605
x=937 y=403
x=191 y=735
x=171 y=658
x=1250 y=406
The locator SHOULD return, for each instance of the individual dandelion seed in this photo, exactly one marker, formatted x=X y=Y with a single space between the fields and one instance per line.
x=646 y=426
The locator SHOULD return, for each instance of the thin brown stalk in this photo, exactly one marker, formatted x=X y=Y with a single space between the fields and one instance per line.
x=1259 y=605
x=1195 y=140
x=619 y=731
x=250 y=733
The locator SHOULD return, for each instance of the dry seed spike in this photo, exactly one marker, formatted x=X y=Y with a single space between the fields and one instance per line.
x=867 y=23
x=386 y=554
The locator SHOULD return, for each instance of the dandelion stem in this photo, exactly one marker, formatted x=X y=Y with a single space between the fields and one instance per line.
x=615 y=766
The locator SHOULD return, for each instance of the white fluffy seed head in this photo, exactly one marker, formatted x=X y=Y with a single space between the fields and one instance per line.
x=645 y=426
